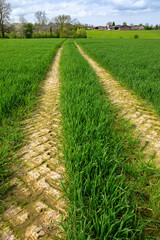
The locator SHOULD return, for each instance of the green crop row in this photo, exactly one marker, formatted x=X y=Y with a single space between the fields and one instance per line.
x=147 y=34
x=135 y=63
x=107 y=187
x=23 y=64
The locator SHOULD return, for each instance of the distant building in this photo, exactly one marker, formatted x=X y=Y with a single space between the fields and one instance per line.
x=137 y=28
x=141 y=28
x=109 y=27
x=124 y=28
x=100 y=28
x=119 y=28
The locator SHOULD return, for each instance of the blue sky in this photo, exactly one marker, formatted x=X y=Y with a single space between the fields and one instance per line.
x=90 y=11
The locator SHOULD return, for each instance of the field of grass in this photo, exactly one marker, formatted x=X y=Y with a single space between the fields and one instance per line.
x=123 y=34
x=23 y=64
x=107 y=195
x=111 y=192
x=135 y=63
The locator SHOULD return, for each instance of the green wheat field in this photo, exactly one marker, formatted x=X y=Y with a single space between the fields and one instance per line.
x=147 y=34
x=108 y=185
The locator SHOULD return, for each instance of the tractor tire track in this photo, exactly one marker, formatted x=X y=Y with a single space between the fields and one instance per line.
x=138 y=112
x=35 y=205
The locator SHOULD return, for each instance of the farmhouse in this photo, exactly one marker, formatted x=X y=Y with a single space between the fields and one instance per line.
x=141 y=28
x=137 y=28
x=119 y=27
x=124 y=28
x=99 y=28
x=109 y=27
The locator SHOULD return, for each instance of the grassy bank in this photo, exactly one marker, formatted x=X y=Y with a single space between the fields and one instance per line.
x=105 y=189
x=23 y=64
x=147 y=34
x=135 y=63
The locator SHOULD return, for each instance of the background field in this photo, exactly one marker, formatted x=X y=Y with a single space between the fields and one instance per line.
x=23 y=64
x=123 y=34
x=134 y=62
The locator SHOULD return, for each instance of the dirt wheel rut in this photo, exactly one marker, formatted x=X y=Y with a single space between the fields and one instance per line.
x=140 y=113
x=35 y=205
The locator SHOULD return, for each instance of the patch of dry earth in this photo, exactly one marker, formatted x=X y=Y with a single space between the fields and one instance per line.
x=35 y=205
x=139 y=112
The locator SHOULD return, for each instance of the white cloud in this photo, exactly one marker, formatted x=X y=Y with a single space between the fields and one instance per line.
x=140 y=4
x=87 y=11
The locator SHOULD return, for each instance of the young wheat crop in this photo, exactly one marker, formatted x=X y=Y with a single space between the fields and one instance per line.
x=135 y=63
x=23 y=64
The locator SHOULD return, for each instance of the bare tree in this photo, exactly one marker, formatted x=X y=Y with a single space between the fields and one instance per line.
x=5 y=10
x=109 y=23
x=22 y=19
x=19 y=28
x=41 y=17
x=61 y=21
x=23 y=23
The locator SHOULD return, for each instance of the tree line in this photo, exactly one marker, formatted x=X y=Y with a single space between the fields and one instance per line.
x=61 y=26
